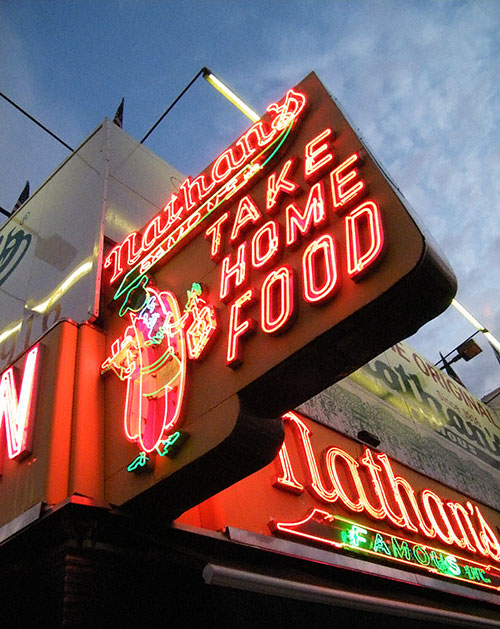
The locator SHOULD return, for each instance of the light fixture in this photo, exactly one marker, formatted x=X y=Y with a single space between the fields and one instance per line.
x=368 y=438
x=230 y=95
x=468 y=349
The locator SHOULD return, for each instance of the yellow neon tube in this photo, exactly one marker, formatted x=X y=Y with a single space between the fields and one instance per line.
x=479 y=326
x=230 y=95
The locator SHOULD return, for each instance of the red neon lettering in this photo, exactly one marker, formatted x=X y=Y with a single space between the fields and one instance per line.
x=194 y=192
x=488 y=538
x=278 y=286
x=459 y=513
x=363 y=248
x=361 y=504
x=446 y=519
x=320 y=278
x=278 y=185
x=173 y=211
x=340 y=193
x=397 y=483
x=315 y=484
x=314 y=215
x=378 y=486
x=317 y=155
x=115 y=256
x=247 y=214
x=285 y=478
x=227 y=164
x=239 y=329
x=236 y=273
x=16 y=411
x=447 y=536
x=151 y=233
x=214 y=232
x=264 y=255
x=286 y=113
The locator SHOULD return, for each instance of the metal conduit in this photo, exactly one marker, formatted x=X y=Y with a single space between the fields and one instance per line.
x=243 y=580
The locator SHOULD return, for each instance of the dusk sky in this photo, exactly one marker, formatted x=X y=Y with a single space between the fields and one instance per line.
x=420 y=80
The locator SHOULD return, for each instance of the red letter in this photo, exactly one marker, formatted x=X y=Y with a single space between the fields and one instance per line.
x=238 y=328
x=264 y=259
x=246 y=213
x=115 y=255
x=357 y=261
x=238 y=272
x=339 y=182
x=278 y=285
x=314 y=215
x=215 y=231
x=320 y=282
x=199 y=186
x=317 y=157
x=279 y=185
x=17 y=410
x=315 y=484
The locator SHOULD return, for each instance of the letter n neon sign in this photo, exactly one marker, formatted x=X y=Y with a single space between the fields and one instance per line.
x=16 y=409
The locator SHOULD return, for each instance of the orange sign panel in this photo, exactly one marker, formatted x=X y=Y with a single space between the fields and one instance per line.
x=288 y=263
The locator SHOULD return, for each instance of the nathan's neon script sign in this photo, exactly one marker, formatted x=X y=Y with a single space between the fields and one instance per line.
x=198 y=198
x=369 y=486
x=323 y=528
x=16 y=409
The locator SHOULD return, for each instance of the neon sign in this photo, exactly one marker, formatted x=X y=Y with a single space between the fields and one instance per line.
x=259 y=248
x=232 y=170
x=370 y=486
x=151 y=357
x=16 y=409
x=325 y=529
x=286 y=229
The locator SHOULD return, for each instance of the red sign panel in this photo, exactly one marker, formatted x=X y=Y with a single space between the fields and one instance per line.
x=291 y=259
x=330 y=492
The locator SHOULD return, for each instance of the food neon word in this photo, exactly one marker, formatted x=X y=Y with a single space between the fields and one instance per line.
x=198 y=198
x=371 y=487
x=16 y=410
x=329 y=530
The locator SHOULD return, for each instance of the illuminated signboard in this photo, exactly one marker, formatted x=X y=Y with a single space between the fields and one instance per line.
x=17 y=401
x=289 y=262
x=370 y=486
x=332 y=493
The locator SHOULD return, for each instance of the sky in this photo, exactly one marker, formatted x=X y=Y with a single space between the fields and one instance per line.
x=420 y=80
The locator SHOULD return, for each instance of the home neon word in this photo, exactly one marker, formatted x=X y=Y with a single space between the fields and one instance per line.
x=16 y=410
x=329 y=530
x=198 y=198
x=369 y=486
x=330 y=200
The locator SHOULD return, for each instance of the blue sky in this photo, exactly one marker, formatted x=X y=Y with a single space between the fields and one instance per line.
x=420 y=79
